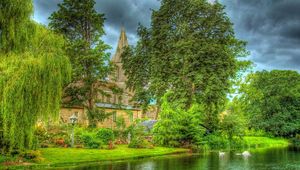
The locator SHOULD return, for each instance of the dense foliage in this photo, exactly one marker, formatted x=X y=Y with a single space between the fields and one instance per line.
x=138 y=137
x=33 y=69
x=82 y=26
x=15 y=25
x=233 y=121
x=60 y=136
x=106 y=135
x=270 y=99
x=296 y=141
x=90 y=141
x=178 y=127
x=190 y=49
x=23 y=101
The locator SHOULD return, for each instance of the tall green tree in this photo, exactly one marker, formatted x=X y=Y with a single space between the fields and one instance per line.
x=233 y=121
x=190 y=49
x=270 y=99
x=33 y=72
x=82 y=26
x=137 y=68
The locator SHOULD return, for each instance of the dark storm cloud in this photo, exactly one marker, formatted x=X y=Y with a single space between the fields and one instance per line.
x=272 y=29
x=43 y=9
x=128 y=13
x=117 y=13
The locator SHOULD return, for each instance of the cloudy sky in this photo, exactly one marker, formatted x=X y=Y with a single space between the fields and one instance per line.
x=271 y=27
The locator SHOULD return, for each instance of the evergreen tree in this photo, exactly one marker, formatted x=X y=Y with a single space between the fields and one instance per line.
x=82 y=26
x=190 y=49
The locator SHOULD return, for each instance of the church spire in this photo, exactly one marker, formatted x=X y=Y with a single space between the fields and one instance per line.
x=123 y=42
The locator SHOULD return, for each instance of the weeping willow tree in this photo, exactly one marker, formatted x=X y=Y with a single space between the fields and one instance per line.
x=32 y=75
x=15 y=24
x=29 y=89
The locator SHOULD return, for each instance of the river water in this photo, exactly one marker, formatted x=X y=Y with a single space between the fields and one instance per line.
x=268 y=159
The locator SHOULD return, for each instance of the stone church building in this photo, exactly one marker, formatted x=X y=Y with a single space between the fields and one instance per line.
x=120 y=105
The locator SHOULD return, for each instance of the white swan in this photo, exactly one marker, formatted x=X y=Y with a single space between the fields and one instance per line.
x=246 y=154
x=221 y=154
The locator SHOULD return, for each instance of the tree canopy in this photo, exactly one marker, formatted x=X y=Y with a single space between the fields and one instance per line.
x=270 y=99
x=190 y=48
x=82 y=26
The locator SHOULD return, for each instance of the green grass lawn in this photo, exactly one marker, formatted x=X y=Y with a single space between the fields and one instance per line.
x=2 y=158
x=70 y=155
x=265 y=142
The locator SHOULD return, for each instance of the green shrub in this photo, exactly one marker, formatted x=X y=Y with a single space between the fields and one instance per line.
x=55 y=135
x=140 y=142
x=91 y=141
x=257 y=133
x=41 y=133
x=41 y=137
x=296 y=140
x=216 y=141
x=78 y=132
x=233 y=124
x=178 y=126
x=120 y=131
x=105 y=135
x=237 y=143
x=120 y=136
x=32 y=155
x=138 y=135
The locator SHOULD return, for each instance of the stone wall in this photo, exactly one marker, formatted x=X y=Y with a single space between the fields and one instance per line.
x=128 y=115
x=66 y=113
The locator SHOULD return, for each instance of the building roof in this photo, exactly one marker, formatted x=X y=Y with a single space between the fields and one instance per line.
x=115 y=106
x=148 y=124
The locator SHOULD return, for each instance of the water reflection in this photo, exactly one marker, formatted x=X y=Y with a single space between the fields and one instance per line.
x=259 y=160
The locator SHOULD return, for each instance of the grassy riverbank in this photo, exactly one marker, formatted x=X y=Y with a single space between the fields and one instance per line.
x=265 y=142
x=69 y=155
x=61 y=156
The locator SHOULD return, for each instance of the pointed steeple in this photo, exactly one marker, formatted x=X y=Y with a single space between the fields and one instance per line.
x=123 y=42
